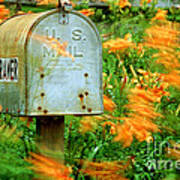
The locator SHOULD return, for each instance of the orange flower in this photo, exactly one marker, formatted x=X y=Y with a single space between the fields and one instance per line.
x=54 y=2
x=139 y=123
x=135 y=126
x=175 y=153
x=128 y=37
x=160 y=15
x=124 y=3
x=112 y=125
x=87 y=12
x=165 y=38
x=172 y=78
x=109 y=105
x=145 y=1
x=120 y=3
x=49 y=168
x=118 y=44
x=3 y=12
x=28 y=120
x=90 y=123
x=140 y=49
x=124 y=134
x=87 y=123
x=167 y=59
x=105 y=170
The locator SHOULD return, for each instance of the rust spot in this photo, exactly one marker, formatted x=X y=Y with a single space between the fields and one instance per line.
x=41 y=69
x=45 y=111
x=89 y=110
x=81 y=97
x=83 y=107
x=86 y=75
x=7 y=110
x=39 y=108
x=42 y=76
x=42 y=94
x=86 y=93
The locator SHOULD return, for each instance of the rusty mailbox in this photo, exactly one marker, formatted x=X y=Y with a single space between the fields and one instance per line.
x=35 y=80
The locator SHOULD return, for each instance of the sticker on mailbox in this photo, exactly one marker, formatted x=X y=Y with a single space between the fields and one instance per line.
x=9 y=69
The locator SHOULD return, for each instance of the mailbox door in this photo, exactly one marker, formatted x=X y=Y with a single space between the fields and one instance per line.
x=64 y=66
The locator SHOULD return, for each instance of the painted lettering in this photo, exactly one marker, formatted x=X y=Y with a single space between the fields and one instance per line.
x=48 y=52
x=73 y=50
x=77 y=34
x=50 y=34
x=8 y=69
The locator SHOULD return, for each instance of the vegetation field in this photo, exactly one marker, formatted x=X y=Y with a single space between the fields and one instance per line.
x=138 y=136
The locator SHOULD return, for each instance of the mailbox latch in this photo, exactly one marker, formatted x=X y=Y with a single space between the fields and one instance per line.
x=64 y=14
x=64 y=18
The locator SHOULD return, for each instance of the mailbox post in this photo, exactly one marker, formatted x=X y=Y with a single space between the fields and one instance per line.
x=37 y=80
x=51 y=132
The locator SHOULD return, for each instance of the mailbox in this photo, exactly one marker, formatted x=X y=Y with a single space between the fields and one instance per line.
x=35 y=80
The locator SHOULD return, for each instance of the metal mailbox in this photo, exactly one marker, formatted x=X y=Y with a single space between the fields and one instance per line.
x=34 y=80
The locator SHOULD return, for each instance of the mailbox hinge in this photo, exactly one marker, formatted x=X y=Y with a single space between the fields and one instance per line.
x=64 y=14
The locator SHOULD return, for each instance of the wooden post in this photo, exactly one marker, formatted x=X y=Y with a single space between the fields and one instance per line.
x=51 y=132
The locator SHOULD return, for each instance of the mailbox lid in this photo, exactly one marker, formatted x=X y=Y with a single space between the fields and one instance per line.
x=64 y=56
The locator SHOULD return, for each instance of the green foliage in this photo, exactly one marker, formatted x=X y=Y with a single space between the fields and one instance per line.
x=16 y=140
x=174 y=14
x=37 y=9
x=144 y=157
x=147 y=158
x=98 y=147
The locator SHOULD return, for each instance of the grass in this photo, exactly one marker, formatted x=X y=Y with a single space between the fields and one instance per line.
x=134 y=84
